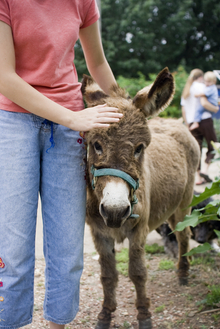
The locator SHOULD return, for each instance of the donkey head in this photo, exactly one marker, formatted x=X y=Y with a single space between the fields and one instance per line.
x=116 y=154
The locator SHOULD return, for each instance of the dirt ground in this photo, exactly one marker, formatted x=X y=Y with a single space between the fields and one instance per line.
x=172 y=306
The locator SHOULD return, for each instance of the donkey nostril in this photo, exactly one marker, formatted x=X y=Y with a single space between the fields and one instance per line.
x=126 y=212
x=102 y=211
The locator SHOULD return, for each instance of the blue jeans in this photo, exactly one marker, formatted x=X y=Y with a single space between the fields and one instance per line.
x=26 y=170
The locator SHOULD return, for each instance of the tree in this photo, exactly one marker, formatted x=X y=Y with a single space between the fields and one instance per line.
x=147 y=35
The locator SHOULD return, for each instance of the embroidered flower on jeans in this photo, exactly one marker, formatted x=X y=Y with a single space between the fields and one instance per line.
x=2 y=265
x=82 y=134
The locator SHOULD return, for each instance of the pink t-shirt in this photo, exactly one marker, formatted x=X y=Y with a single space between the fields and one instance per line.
x=45 y=32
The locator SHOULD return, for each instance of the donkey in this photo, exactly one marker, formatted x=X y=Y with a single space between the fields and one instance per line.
x=140 y=173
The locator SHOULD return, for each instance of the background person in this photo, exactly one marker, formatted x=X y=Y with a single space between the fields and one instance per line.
x=38 y=81
x=194 y=85
x=211 y=93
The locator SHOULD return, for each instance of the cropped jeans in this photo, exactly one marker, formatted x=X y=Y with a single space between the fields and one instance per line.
x=30 y=165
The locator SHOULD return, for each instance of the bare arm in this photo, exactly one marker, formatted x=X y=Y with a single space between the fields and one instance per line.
x=208 y=106
x=184 y=116
x=18 y=91
x=200 y=95
x=95 y=59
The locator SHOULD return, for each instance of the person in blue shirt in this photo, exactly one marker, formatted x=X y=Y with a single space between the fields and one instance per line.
x=211 y=92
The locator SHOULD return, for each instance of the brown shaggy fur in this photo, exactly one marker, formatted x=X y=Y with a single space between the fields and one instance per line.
x=164 y=156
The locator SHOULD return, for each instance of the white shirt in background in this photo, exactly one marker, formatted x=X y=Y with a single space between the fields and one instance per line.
x=191 y=103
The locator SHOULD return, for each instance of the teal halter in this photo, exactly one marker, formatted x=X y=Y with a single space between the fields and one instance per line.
x=121 y=174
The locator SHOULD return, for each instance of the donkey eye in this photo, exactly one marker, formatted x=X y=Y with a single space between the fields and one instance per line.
x=138 y=150
x=98 y=148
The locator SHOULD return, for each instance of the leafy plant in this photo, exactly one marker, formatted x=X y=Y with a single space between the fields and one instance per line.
x=166 y=265
x=216 y=317
x=210 y=212
x=154 y=249
x=213 y=297
x=204 y=260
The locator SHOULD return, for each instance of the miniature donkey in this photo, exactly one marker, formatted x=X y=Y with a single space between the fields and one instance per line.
x=141 y=173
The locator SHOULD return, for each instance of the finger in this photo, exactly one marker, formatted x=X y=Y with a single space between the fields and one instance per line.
x=98 y=106
x=107 y=109
x=109 y=114
x=101 y=125
x=107 y=120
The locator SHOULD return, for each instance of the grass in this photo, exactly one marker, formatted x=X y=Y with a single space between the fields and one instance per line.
x=203 y=260
x=122 y=257
x=166 y=265
x=154 y=249
x=213 y=298
x=122 y=268
x=216 y=317
x=159 y=309
x=122 y=261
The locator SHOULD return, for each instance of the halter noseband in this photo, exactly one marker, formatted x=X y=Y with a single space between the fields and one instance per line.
x=134 y=184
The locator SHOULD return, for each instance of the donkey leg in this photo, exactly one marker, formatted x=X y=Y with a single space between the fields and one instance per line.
x=138 y=275
x=109 y=279
x=183 y=245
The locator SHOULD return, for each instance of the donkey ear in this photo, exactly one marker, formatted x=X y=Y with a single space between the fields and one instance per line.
x=156 y=97
x=92 y=93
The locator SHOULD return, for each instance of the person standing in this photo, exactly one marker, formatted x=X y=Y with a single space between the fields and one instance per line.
x=211 y=92
x=195 y=85
x=42 y=120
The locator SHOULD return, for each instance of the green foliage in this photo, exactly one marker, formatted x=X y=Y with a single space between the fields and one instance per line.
x=217 y=233
x=213 y=297
x=206 y=260
x=200 y=249
x=154 y=249
x=174 y=110
x=216 y=317
x=146 y=36
x=133 y=85
x=166 y=264
x=126 y=325
x=122 y=257
x=210 y=212
x=122 y=261
x=159 y=309
x=216 y=123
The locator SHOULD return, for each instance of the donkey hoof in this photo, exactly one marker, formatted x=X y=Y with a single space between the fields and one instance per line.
x=145 y=324
x=183 y=281
x=103 y=325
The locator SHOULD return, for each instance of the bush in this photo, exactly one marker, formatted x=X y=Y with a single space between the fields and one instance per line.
x=133 y=85
x=210 y=212
x=213 y=297
x=217 y=128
